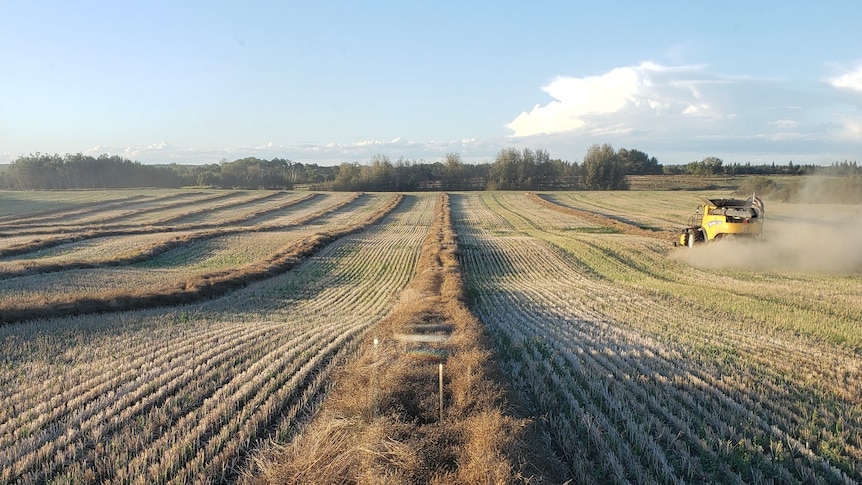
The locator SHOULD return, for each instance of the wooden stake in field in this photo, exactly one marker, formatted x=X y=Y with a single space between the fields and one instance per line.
x=441 y=392
x=374 y=380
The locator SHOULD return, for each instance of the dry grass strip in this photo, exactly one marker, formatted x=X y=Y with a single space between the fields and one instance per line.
x=601 y=220
x=381 y=423
x=195 y=288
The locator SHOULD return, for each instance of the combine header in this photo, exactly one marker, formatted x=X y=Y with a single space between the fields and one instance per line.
x=724 y=219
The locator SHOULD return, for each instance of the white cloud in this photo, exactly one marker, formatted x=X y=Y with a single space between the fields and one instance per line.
x=577 y=97
x=851 y=80
x=783 y=123
x=700 y=110
x=587 y=104
x=363 y=143
x=159 y=149
x=677 y=112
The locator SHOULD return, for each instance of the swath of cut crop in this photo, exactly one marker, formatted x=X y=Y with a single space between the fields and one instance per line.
x=383 y=422
x=193 y=288
x=265 y=220
x=635 y=367
x=637 y=384
x=92 y=217
x=41 y=263
x=187 y=394
x=58 y=214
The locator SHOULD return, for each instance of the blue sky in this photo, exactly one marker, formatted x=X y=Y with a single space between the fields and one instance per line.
x=328 y=82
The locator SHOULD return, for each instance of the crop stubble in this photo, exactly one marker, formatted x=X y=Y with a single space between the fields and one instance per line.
x=636 y=366
x=189 y=391
x=645 y=369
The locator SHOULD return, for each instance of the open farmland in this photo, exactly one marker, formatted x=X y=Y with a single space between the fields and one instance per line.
x=644 y=368
x=636 y=361
x=188 y=391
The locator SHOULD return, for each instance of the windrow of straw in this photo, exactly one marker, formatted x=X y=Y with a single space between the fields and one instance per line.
x=71 y=235
x=194 y=288
x=645 y=370
x=149 y=251
x=382 y=422
x=186 y=394
x=71 y=218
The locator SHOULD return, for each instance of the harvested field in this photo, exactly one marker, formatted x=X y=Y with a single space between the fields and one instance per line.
x=189 y=391
x=645 y=368
x=228 y=336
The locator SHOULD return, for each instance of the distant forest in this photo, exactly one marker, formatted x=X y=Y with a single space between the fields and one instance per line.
x=602 y=168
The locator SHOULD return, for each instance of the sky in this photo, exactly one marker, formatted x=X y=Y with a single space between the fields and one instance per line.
x=327 y=82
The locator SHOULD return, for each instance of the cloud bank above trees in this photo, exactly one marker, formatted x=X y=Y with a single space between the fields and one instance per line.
x=691 y=107
x=678 y=113
x=680 y=82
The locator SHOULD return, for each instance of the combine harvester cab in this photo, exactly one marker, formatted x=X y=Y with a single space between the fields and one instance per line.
x=724 y=219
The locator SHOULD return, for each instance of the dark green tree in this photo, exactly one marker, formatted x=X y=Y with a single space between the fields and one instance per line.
x=637 y=162
x=453 y=172
x=530 y=170
x=603 y=170
x=503 y=172
x=707 y=166
x=347 y=177
x=379 y=176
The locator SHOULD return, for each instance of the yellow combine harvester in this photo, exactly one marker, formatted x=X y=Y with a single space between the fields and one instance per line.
x=724 y=219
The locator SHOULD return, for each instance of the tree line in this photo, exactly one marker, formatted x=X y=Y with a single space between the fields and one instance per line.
x=716 y=166
x=602 y=168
